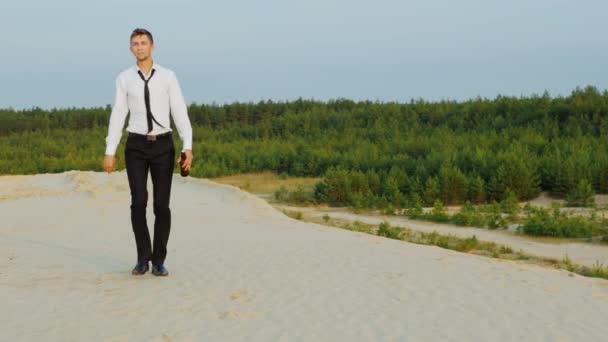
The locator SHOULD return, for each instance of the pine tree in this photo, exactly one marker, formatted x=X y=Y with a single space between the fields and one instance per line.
x=453 y=185
x=431 y=190
x=582 y=195
x=477 y=193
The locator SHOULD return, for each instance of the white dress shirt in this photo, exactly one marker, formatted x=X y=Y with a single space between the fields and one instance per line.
x=166 y=100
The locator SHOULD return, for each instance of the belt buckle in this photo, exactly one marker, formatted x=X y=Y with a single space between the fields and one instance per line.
x=151 y=137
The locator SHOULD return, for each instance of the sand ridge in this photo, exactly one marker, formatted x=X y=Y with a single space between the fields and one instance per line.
x=241 y=270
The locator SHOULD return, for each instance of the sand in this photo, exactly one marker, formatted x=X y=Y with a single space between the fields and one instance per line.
x=242 y=271
x=582 y=253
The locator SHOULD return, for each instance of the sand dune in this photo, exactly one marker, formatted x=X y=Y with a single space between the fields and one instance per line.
x=241 y=270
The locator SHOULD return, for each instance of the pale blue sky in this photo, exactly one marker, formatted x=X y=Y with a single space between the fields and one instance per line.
x=65 y=53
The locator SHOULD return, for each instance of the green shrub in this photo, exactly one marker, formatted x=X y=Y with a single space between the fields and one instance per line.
x=359 y=226
x=439 y=213
x=389 y=210
x=281 y=194
x=385 y=229
x=494 y=217
x=415 y=211
x=468 y=216
x=542 y=222
x=510 y=204
x=300 y=196
x=467 y=245
x=582 y=195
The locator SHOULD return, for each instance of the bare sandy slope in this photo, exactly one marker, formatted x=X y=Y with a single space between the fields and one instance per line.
x=240 y=270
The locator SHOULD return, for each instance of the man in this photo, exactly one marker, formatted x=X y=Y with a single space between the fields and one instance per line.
x=151 y=93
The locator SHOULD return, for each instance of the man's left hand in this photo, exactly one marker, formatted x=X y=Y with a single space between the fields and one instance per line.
x=188 y=161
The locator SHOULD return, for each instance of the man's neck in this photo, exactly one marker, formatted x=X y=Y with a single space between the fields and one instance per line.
x=145 y=65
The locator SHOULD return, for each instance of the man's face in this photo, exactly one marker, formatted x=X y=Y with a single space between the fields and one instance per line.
x=141 y=47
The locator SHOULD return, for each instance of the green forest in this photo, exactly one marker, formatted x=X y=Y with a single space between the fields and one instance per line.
x=370 y=154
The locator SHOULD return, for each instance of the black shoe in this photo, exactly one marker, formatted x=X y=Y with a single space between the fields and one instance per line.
x=140 y=268
x=159 y=270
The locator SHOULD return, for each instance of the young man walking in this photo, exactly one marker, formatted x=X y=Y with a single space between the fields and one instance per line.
x=151 y=93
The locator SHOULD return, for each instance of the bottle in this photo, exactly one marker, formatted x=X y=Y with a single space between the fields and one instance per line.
x=182 y=159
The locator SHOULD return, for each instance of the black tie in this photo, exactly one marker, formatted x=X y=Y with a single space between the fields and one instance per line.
x=147 y=99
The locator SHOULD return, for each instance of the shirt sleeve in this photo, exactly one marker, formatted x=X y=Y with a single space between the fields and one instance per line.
x=117 y=118
x=179 y=112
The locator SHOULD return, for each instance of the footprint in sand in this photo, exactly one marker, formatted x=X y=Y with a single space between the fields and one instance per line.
x=237 y=314
x=243 y=296
x=551 y=289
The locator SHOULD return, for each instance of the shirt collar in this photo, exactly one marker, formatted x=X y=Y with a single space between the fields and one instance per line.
x=154 y=66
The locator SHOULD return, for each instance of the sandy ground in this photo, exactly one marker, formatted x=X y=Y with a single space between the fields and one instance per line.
x=579 y=252
x=544 y=200
x=240 y=270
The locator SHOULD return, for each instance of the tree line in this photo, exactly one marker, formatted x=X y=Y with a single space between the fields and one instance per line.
x=368 y=153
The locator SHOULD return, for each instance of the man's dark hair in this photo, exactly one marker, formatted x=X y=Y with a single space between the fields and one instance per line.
x=138 y=31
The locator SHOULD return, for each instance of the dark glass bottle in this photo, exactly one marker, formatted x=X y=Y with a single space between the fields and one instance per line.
x=183 y=172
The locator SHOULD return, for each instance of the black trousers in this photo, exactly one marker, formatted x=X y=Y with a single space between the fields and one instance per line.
x=158 y=157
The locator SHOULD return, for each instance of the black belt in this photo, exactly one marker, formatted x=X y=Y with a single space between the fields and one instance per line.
x=149 y=137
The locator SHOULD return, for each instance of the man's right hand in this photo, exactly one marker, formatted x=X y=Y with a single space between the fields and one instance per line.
x=109 y=161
